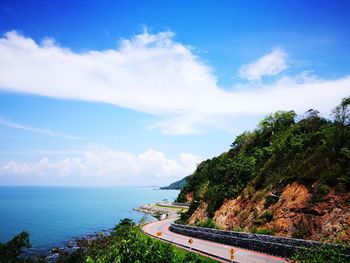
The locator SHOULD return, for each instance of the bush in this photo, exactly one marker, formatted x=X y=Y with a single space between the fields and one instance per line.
x=270 y=200
x=329 y=254
x=237 y=229
x=10 y=251
x=263 y=231
x=319 y=191
x=267 y=215
x=209 y=223
x=244 y=215
x=128 y=244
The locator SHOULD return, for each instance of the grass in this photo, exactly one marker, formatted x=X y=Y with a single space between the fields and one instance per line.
x=183 y=253
x=175 y=208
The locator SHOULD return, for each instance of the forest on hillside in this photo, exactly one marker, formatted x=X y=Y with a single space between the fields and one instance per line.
x=284 y=148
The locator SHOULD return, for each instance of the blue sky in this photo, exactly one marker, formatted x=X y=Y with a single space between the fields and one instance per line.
x=139 y=92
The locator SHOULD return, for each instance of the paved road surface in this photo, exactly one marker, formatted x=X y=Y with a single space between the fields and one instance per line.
x=217 y=249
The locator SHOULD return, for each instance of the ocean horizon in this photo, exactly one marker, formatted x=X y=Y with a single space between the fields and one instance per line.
x=55 y=214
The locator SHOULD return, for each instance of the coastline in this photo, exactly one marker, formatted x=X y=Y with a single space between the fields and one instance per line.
x=67 y=247
x=55 y=252
x=54 y=216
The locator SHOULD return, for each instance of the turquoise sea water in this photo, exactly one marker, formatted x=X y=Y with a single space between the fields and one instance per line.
x=53 y=215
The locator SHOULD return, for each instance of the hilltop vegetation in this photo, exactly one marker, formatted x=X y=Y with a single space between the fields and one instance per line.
x=178 y=185
x=287 y=160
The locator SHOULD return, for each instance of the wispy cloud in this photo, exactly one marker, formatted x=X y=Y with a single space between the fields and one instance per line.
x=48 y=132
x=154 y=74
x=268 y=65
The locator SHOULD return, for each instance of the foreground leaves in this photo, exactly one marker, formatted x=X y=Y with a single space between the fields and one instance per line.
x=10 y=251
x=128 y=244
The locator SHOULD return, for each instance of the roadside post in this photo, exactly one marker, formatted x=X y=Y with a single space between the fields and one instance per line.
x=190 y=241
x=232 y=254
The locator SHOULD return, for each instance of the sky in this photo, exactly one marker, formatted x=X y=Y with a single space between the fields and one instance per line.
x=140 y=92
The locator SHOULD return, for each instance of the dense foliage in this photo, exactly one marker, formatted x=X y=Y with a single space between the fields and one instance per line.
x=129 y=244
x=284 y=148
x=10 y=251
x=320 y=255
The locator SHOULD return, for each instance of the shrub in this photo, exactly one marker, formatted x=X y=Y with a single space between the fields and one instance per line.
x=209 y=223
x=329 y=254
x=244 y=215
x=129 y=244
x=263 y=231
x=270 y=200
x=237 y=229
x=10 y=251
x=267 y=215
x=320 y=190
x=259 y=195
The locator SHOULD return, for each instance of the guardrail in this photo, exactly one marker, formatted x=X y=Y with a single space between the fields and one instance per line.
x=279 y=246
x=188 y=247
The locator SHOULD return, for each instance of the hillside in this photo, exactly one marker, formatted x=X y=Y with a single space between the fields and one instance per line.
x=289 y=177
x=178 y=185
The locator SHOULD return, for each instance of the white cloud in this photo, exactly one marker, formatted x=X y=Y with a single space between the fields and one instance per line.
x=154 y=74
x=48 y=132
x=146 y=73
x=268 y=65
x=101 y=165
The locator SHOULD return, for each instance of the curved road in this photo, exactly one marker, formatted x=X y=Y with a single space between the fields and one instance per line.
x=207 y=247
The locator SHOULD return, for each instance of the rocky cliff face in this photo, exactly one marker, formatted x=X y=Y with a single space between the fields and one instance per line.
x=199 y=215
x=293 y=213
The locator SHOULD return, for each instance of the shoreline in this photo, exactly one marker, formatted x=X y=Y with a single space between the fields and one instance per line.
x=54 y=252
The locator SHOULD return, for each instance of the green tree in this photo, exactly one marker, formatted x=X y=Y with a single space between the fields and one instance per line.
x=341 y=113
x=10 y=251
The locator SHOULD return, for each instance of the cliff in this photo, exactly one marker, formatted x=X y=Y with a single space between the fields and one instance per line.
x=294 y=214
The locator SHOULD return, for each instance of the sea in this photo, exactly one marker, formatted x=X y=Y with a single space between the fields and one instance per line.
x=55 y=215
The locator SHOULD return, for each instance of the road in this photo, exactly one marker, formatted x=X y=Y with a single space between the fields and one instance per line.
x=216 y=249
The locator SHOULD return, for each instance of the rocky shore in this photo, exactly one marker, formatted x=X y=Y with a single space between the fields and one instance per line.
x=159 y=211
x=75 y=244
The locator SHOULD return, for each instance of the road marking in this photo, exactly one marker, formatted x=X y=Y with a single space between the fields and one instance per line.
x=206 y=246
